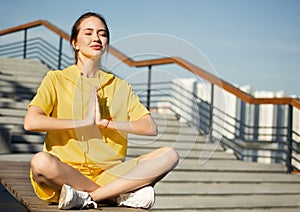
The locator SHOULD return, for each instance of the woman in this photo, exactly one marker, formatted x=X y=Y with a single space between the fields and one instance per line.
x=87 y=114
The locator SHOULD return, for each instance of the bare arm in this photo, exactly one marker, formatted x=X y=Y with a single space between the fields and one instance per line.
x=143 y=126
x=36 y=120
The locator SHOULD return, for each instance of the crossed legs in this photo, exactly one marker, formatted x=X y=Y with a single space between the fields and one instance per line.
x=49 y=172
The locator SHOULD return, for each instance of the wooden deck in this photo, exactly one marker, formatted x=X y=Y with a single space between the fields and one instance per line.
x=14 y=176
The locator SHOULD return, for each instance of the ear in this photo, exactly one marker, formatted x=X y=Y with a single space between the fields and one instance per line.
x=75 y=46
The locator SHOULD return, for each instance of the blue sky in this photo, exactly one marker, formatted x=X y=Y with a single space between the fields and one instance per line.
x=248 y=42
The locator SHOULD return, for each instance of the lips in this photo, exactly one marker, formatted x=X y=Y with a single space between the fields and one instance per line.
x=96 y=46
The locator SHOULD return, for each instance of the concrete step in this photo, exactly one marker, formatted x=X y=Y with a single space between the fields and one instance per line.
x=18 y=89
x=12 y=120
x=13 y=112
x=229 y=166
x=16 y=65
x=200 y=145
x=5 y=84
x=193 y=154
x=180 y=176
x=13 y=104
x=36 y=138
x=20 y=78
x=204 y=189
x=165 y=136
x=26 y=148
x=22 y=71
x=249 y=202
x=290 y=209
x=168 y=117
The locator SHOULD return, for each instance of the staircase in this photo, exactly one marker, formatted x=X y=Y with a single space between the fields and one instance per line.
x=206 y=179
x=19 y=80
x=220 y=183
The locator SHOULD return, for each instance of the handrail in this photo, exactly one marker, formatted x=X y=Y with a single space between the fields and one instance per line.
x=36 y=24
x=168 y=60
x=207 y=76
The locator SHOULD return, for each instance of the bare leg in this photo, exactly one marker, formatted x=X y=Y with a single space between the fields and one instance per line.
x=151 y=168
x=51 y=173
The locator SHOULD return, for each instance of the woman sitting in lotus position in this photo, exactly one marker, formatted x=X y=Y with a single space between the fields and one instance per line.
x=87 y=114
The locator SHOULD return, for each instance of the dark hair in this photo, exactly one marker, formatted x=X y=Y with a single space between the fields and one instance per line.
x=75 y=29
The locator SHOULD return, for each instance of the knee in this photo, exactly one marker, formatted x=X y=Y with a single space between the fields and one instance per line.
x=42 y=163
x=171 y=155
x=165 y=158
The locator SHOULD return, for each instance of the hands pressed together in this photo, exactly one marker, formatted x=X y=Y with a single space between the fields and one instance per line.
x=36 y=120
x=93 y=113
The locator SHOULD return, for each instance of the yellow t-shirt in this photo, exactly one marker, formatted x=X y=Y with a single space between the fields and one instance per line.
x=65 y=95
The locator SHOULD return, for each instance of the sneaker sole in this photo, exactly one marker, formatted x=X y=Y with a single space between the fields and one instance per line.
x=147 y=192
x=62 y=196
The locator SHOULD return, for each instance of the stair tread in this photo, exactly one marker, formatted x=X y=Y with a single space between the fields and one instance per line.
x=225 y=165
x=232 y=177
x=215 y=202
x=191 y=188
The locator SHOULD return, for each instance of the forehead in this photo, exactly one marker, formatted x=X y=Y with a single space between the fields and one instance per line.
x=92 y=23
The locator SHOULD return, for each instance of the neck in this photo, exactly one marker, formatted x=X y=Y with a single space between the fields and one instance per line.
x=89 y=68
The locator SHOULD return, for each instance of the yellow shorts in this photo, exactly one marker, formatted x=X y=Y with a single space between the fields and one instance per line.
x=97 y=175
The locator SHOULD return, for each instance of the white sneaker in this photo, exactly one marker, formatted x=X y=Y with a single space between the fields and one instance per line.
x=142 y=198
x=71 y=198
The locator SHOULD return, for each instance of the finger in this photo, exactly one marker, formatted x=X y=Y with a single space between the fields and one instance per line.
x=92 y=101
x=94 y=94
x=97 y=107
x=91 y=107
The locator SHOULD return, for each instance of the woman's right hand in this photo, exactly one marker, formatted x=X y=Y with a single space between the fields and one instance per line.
x=91 y=111
x=36 y=119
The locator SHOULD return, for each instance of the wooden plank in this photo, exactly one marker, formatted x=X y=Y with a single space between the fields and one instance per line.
x=190 y=187
x=15 y=177
x=9 y=203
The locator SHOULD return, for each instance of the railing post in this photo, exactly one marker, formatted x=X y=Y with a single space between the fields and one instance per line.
x=149 y=87
x=59 y=52
x=289 y=140
x=25 y=44
x=211 y=112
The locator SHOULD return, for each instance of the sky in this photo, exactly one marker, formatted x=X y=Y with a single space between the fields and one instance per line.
x=247 y=42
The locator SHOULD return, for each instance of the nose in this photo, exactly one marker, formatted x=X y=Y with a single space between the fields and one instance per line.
x=96 y=38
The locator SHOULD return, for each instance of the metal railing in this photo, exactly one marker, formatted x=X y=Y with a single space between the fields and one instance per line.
x=37 y=48
x=246 y=140
x=244 y=134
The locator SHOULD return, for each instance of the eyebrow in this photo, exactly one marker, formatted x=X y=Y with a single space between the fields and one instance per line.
x=91 y=29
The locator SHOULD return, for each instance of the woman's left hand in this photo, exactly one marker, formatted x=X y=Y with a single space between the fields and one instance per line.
x=98 y=119
x=144 y=126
